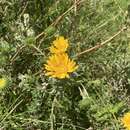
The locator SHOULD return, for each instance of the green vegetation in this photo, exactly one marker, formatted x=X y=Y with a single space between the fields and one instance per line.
x=96 y=96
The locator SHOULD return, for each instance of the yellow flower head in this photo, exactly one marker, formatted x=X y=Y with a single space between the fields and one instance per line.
x=3 y=83
x=59 y=65
x=126 y=121
x=60 y=45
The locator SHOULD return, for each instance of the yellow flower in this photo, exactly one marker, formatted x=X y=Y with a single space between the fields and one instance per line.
x=59 y=66
x=126 y=121
x=3 y=83
x=60 y=45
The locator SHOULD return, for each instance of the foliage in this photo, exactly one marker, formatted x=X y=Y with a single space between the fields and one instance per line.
x=95 y=96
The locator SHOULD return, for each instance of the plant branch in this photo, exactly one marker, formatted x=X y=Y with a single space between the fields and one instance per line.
x=59 y=18
x=101 y=44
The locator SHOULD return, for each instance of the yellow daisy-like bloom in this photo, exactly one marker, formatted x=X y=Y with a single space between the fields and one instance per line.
x=126 y=121
x=60 y=45
x=59 y=66
x=3 y=83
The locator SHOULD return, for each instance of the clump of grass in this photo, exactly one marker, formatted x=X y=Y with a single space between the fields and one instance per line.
x=96 y=95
